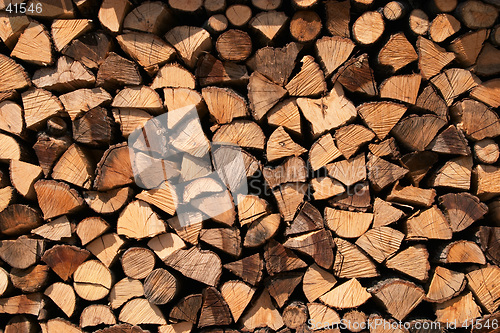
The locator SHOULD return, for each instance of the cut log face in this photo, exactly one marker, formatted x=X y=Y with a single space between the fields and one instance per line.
x=138 y=221
x=482 y=282
x=347 y=224
x=412 y=261
x=190 y=42
x=397 y=52
x=57 y=198
x=329 y=112
x=348 y=295
x=461 y=251
x=262 y=314
x=347 y=261
x=445 y=285
x=92 y=280
x=280 y=259
x=398 y=296
x=147 y=49
x=462 y=209
x=316 y=244
x=428 y=224
x=381 y=242
x=34 y=45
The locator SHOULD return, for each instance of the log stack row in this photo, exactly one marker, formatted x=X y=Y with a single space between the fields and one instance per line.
x=367 y=133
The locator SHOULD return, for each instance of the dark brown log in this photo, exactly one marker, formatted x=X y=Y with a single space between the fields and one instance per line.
x=65 y=259
x=32 y=279
x=249 y=268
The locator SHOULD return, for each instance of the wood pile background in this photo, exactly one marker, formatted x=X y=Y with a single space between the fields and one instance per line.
x=370 y=135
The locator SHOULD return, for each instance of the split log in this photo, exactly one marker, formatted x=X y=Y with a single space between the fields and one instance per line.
x=64 y=31
x=428 y=224
x=65 y=259
x=487 y=92
x=55 y=230
x=418 y=22
x=34 y=45
x=97 y=314
x=208 y=265
x=460 y=309
x=412 y=195
x=65 y=76
x=316 y=244
x=398 y=52
x=124 y=290
x=139 y=221
x=286 y=114
x=450 y=141
x=453 y=82
x=147 y=49
x=90 y=49
x=280 y=259
x=399 y=297
x=12 y=27
x=351 y=137
x=19 y=219
x=322 y=316
x=380 y=243
x=63 y=296
x=357 y=76
x=263 y=94
x=210 y=70
x=489 y=241
x=347 y=224
x=317 y=282
x=39 y=105
x=456 y=173
x=348 y=261
x=305 y=26
x=430 y=100
x=266 y=4
x=338 y=17
x=418 y=164
x=116 y=71
x=160 y=286
x=442 y=27
x=477 y=15
x=309 y=81
x=189 y=7
x=384 y=213
x=432 y=57
x=57 y=198
x=348 y=171
x=461 y=251
x=11 y=118
x=214 y=309
x=416 y=132
x=348 y=295
x=60 y=325
x=262 y=314
x=21 y=252
x=262 y=230
x=328 y=112
x=152 y=17
x=268 y=24
x=31 y=304
x=382 y=173
x=4 y=281
x=21 y=323
x=445 y=285
x=90 y=228
x=114 y=169
x=368 y=28
x=140 y=311
x=401 y=87
x=92 y=280
x=237 y=295
x=482 y=282
x=106 y=248
x=30 y=280
x=468 y=46
x=187 y=308
x=412 y=261
x=14 y=76
x=190 y=42
x=462 y=209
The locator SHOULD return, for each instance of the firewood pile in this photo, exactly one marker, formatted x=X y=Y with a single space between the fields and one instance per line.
x=249 y=166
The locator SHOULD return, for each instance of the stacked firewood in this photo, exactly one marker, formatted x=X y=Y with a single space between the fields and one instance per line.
x=355 y=151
